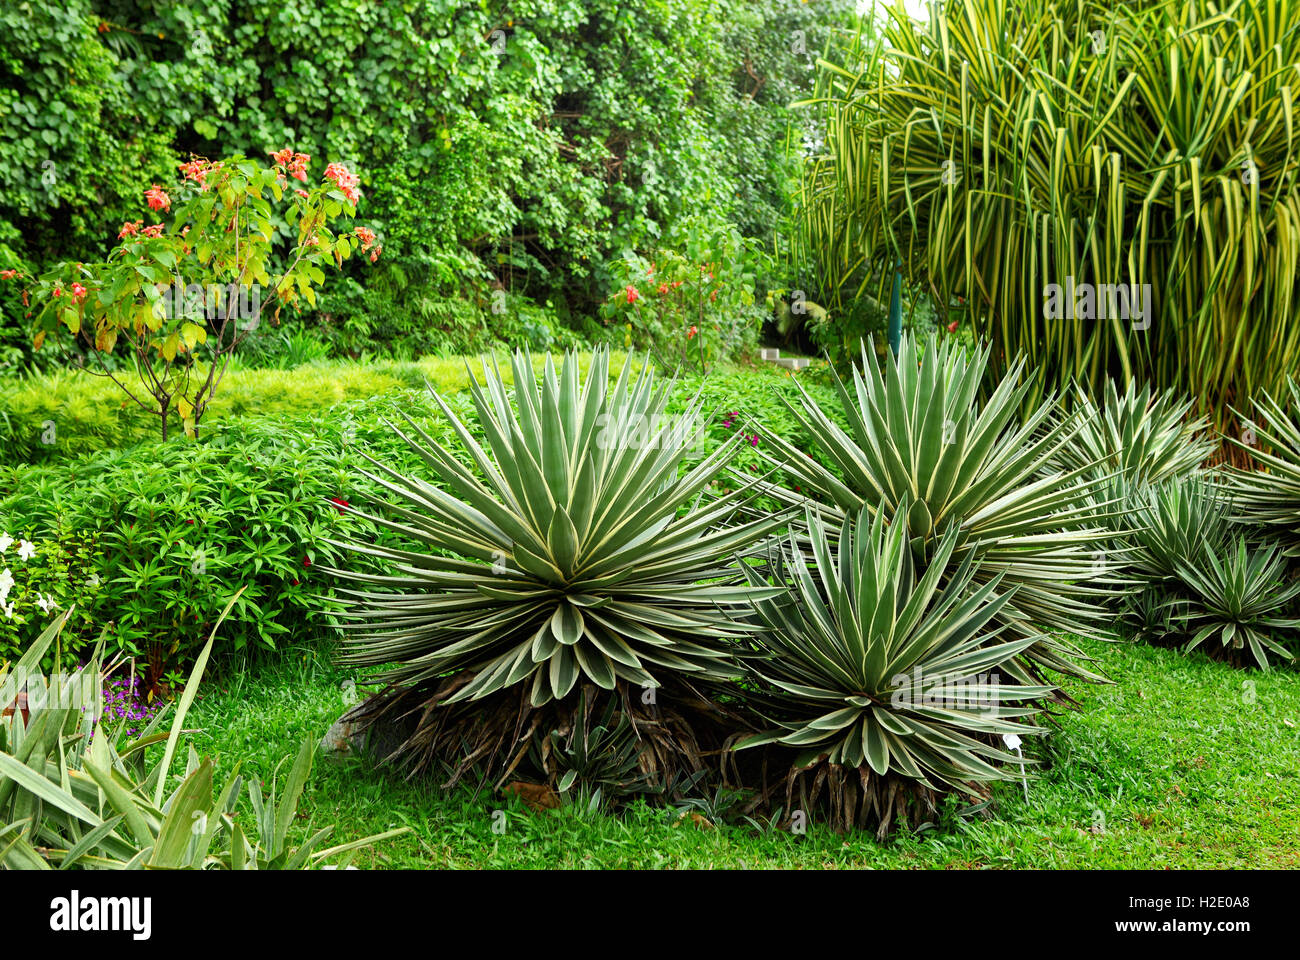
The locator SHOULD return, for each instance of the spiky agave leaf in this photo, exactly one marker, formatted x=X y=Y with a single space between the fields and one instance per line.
x=1242 y=599
x=873 y=666
x=1270 y=495
x=578 y=547
x=918 y=435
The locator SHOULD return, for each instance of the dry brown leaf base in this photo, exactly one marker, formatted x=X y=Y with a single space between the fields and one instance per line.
x=681 y=740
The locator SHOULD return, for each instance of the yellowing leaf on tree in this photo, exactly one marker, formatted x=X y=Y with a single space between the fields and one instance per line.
x=184 y=407
x=188 y=424
x=170 y=346
x=106 y=339
x=38 y=340
x=72 y=318
x=192 y=334
x=149 y=316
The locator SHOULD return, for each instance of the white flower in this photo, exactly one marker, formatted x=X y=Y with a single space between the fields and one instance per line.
x=26 y=549
x=1011 y=740
x=6 y=584
x=5 y=540
x=94 y=580
x=45 y=603
x=8 y=610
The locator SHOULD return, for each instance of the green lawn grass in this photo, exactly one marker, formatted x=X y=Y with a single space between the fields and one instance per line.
x=1183 y=763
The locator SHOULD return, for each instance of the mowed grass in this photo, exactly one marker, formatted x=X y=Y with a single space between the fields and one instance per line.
x=1183 y=763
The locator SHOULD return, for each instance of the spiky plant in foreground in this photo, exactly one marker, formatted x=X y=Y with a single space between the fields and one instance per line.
x=891 y=678
x=78 y=793
x=577 y=546
x=918 y=435
x=1269 y=496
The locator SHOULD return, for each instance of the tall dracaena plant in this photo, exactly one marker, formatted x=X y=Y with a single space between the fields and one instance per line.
x=575 y=545
x=918 y=436
x=1012 y=152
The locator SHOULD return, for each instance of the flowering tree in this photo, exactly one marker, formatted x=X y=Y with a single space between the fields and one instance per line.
x=204 y=280
x=691 y=300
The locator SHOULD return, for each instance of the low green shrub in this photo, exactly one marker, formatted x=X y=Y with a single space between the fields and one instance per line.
x=1205 y=575
x=169 y=532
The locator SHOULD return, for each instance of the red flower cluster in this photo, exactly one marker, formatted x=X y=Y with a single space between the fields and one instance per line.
x=295 y=163
x=632 y=295
x=366 y=236
x=339 y=503
x=345 y=180
x=8 y=274
x=78 y=292
x=157 y=199
x=154 y=231
x=690 y=334
x=196 y=170
x=129 y=229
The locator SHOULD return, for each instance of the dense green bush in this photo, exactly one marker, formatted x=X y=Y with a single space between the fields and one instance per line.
x=514 y=147
x=171 y=531
x=691 y=299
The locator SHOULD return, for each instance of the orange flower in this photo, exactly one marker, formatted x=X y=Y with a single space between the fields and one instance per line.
x=157 y=199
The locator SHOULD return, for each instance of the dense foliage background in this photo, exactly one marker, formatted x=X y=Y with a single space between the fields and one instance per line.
x=520 y=147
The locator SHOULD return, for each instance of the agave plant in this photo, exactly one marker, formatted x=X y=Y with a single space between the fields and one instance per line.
x=76 y=795
x=917 y=435
x=1154 y=614
x=1243 y=601
x=1136 y=437
x=1270 y=495
x=1178 y=523
x=577 y=546
x=881 y=669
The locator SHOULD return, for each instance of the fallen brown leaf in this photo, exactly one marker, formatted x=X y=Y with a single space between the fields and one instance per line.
x=536 y=796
